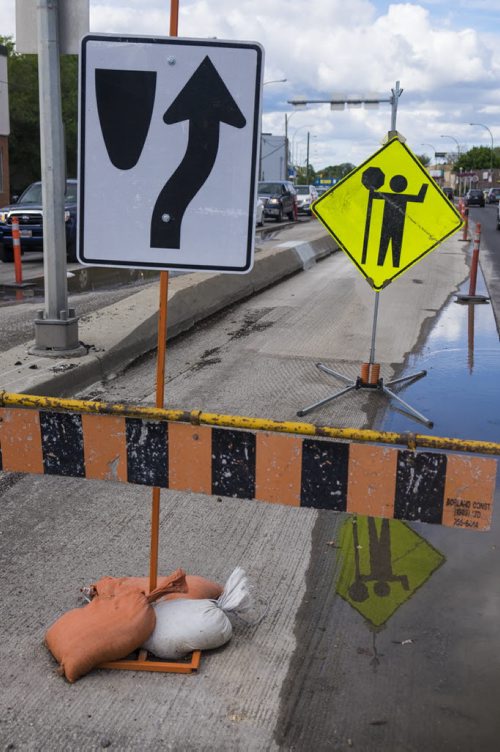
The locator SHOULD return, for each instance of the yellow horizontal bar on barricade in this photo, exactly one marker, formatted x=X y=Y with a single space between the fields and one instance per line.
x=295 y=464
x=198 y=417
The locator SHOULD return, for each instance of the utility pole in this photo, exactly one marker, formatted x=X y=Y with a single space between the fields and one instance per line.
x=56 y=327
x=307 y=159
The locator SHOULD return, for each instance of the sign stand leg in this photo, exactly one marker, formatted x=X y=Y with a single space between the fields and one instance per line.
x=369 y=379
x=142 y=662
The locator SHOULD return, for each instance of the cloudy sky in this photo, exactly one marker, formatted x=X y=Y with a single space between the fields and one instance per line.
x=445 y=53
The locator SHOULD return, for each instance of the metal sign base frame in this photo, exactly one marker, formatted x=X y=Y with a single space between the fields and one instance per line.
x=368 y=381
x=379 y=385
x=143 y=663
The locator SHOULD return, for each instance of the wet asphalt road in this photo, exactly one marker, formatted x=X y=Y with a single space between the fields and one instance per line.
x=428 y=676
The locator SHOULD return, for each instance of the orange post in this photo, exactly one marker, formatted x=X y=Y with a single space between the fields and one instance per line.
x=475 y=260
x=365 y=373
x=465 y=215
x=16 y=242
x=160 y=369
x=374 y=373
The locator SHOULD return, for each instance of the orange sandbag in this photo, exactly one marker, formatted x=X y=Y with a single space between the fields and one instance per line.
x=108 y=628
x=197 y=587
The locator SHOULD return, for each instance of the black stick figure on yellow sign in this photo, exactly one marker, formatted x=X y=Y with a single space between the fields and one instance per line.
x=381 y=572
x=393 y=220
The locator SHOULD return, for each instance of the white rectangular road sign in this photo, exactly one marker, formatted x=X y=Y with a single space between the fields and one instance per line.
x=169 y=133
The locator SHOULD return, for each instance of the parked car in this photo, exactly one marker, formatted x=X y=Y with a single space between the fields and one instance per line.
x=448 y=192
x=279 y=199
x=474 y=197
x=498 y=217
x=493 y=196
x=28 y=208
x=259 y=212
x=306 y=194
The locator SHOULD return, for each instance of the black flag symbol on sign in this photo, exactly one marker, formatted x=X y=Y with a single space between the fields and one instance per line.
x=206 y=103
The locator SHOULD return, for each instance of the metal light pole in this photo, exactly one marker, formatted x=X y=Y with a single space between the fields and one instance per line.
x=56 y=328
x=452 y=138
x=266 y=83
x=293 y=138
x=433 y=149
x=455 y=140
x=481 y=125
x=287 y=150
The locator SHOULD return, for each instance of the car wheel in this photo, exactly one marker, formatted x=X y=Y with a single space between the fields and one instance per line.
x=291 y=216
x=279 y=218
x=6 y=254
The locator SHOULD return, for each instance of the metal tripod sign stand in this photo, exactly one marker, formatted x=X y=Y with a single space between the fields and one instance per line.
x=369 y=378
x=386 y=216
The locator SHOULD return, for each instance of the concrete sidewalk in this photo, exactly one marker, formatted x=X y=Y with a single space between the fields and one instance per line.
x=117 y=335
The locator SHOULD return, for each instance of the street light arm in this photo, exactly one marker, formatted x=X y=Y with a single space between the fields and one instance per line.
x=482 y=125
x=453 y=139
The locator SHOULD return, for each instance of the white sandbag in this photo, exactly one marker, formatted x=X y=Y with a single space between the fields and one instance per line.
x=236 y=595
x=185 y=625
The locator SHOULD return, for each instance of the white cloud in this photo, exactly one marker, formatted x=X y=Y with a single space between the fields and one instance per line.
x=445 y=53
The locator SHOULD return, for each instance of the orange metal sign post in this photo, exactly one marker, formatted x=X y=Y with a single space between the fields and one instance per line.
x=142 y=663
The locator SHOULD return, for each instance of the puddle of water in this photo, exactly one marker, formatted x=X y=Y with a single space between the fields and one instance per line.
x=460 y=393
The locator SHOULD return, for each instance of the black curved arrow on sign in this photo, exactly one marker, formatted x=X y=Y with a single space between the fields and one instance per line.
x=206 y=102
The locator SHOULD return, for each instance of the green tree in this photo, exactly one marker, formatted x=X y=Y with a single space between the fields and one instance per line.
x=423 y=159
x=24 y=140
x=337 y=171
x=477 y=158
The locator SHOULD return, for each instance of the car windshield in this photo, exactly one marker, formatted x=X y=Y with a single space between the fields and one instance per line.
x=269 y=188
x=476 y=192
x=302 y=189
x=33 y=194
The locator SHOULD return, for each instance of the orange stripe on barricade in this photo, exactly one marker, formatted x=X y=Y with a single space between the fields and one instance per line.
x=190 y=458
x=105 y=447
x=278 y=469
x=372 y=480
x=469 y=492
x=20 y=439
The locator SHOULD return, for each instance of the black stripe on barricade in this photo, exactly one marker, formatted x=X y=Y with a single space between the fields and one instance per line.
x=233 y=463
x=62 y=444
x=147 y=452
x=324 y=475
x=420 y=481
x=1 y=460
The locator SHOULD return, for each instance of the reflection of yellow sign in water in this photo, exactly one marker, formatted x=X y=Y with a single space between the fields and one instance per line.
x=384 y=563
x=387 y=214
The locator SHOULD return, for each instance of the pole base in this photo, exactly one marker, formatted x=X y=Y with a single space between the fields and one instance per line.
x=378 y=386
x=57 y=337
x=472 y=299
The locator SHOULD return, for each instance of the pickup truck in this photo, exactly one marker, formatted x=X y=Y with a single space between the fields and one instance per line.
x=28 y=208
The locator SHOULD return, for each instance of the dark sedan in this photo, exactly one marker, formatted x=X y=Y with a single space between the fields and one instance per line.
x=474 y=197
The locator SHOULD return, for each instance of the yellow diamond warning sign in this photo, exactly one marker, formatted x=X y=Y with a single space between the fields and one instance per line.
x=387 y=214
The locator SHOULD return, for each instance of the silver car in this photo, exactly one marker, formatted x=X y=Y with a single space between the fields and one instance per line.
x=306 y=194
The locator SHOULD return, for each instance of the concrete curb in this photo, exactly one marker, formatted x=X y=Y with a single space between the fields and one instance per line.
x=119 y=334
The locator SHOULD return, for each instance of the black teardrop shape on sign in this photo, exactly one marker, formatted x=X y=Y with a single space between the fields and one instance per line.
x=125 y=100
